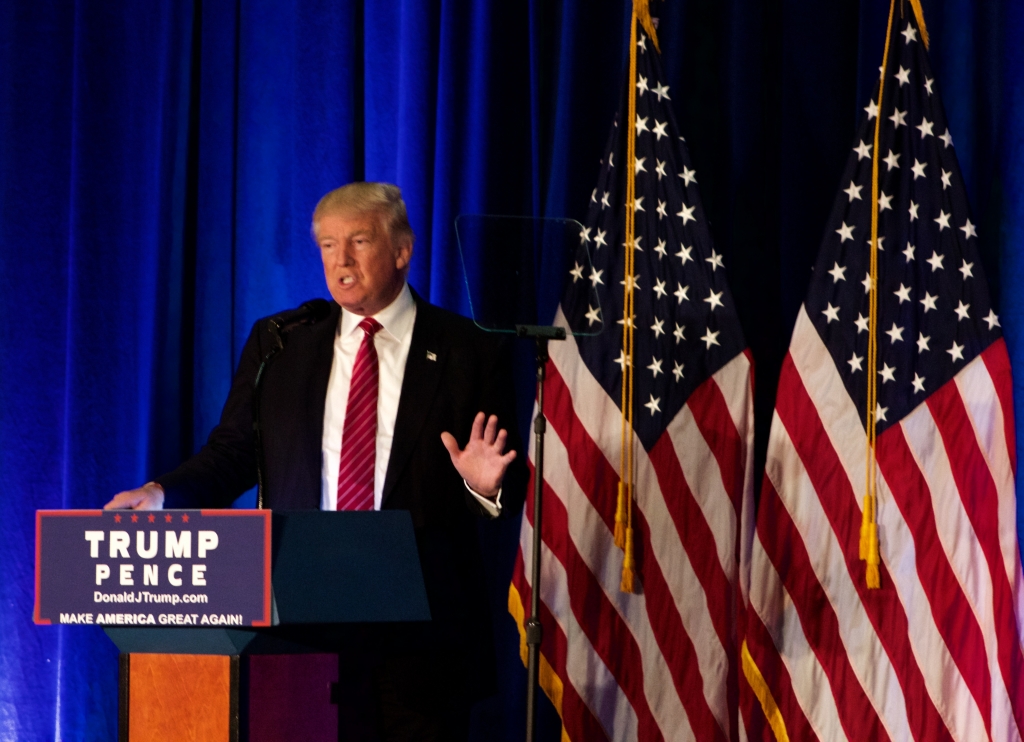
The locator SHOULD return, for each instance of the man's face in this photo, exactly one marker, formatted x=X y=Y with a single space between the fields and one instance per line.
x=364 y=267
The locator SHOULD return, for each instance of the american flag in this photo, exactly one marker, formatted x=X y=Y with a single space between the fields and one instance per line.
x=662 y=662
x=935 y=652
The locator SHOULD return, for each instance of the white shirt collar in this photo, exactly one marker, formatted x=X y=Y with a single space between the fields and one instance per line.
x=396 y=318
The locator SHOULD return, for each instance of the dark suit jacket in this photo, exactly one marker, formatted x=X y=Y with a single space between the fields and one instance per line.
x=471 y=372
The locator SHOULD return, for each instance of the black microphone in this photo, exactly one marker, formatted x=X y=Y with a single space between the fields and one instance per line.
x=309 y=313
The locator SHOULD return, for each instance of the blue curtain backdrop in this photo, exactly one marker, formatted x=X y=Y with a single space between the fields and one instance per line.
x=159 y=162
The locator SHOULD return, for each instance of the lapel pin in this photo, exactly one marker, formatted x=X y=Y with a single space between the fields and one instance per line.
x=431 y=356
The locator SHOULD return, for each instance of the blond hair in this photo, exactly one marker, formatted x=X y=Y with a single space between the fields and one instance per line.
x=384 y=199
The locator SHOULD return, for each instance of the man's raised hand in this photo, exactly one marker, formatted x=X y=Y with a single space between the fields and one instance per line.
x=482 y=462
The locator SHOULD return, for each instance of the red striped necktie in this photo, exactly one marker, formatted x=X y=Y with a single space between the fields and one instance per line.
x=359 y=436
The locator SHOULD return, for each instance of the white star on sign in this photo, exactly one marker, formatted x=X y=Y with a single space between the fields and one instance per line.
x=922 y=342
x=715 y=260
x=599 y=238
x=929 y=302
x=595 y=277
x=913 y=210
x=880 y=412
x=661 y=91
x=909 y=252
x=641 y=124
x=992 y=319
x=594 y=315
x=918 y=169
x=680 y=333
x=659 y=129
x=903 y=292
x=892 y=160
x=925 y=127
x=677 y=370
x=935 y=261
x=946 y=138
x=686 y=212
x=961 y=310
x=956 y=353
x=659 y=288
x=966 y=269
x=863 y=150
x=884 y=202
x=626 y=322
x=887 y=373
x=680 y=293
x=872 y=110
x=715 y=300
x=655 y=366
x=638 y=204
x=584 y=235
x=661 y=209
x=918 y=383
x=861 y=322
x=684 y=253
x=880 y=241
x=942 y=220
x=909 y=33
x=837 y=273
x=641 y=84
x=653 y=405
x=903 y=76
x=895 y=334
x=946 y=183
x=660 y=249
x=642 y=43
x=576 y=273
x=855 y=361
x=631 y=282
x=711 y=338
x=969 y=230
x=899 y=118
x=845 y=232
x=604 y=201
x=928 y=82
x=867 y=283
x=831 y=312
x=659 y=168
x=622 y=360
x=611 y=158
x=593 y=197
x=638 y=166
x=853 y=191
x=688 y=176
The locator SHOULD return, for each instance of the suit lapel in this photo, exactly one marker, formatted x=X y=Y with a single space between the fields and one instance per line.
x=423 y=371
x=322 y=359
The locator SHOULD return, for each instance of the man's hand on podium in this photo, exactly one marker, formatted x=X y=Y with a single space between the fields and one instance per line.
x=149 y=496
x=481 y=463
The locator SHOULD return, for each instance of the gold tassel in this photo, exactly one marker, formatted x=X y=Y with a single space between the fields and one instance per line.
x=620 y=517
x=643 y=14
x=628 y=564
x=865 y=525
x=874 y=579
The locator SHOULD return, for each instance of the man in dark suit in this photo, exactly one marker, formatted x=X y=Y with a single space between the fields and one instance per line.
x=436 y=382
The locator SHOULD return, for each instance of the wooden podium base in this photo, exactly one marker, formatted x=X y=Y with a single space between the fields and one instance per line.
x=218 y=698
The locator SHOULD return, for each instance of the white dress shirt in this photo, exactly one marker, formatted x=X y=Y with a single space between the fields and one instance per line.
x=392 y=342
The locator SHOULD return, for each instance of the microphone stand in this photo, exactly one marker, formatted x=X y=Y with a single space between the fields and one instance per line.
x=534 y=629
x=257 y=397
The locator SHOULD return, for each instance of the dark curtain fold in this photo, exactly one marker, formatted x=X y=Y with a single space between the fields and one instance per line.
x=159 y=163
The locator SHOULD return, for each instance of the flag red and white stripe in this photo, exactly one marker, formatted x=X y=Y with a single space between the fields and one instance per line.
x=661 y=664
x=936 y=652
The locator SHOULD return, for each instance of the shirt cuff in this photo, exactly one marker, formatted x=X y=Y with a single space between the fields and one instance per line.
x=492 y=506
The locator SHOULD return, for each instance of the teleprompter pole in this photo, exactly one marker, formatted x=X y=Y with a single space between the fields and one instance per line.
x=534 y=630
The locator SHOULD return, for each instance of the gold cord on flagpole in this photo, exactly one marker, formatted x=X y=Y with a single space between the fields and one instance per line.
x=623 y=534
x=869 y=551
x=624 y=515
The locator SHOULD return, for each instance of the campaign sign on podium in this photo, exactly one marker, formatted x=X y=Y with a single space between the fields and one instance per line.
x=168 y=568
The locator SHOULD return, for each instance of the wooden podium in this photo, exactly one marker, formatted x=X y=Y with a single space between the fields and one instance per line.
x=333 y=575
